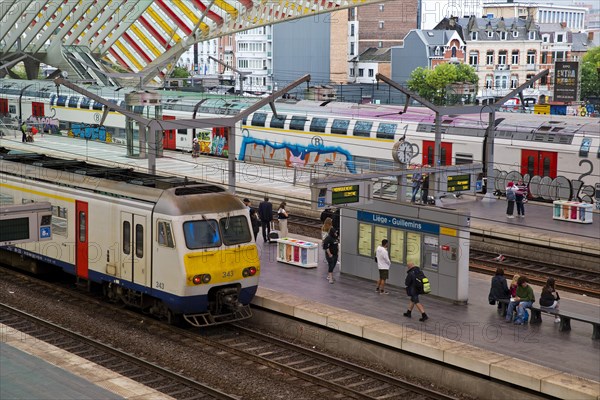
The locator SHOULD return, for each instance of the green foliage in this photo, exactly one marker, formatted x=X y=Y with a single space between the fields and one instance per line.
x=432 y=84
x=590 y=74
x=180 y=72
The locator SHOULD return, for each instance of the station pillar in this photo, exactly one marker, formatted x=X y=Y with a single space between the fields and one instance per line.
x=147 y=104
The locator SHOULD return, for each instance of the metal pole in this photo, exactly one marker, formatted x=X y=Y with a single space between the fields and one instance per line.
x=150 y=132
x=231 y=158
x=437 y=156
x=489 y=152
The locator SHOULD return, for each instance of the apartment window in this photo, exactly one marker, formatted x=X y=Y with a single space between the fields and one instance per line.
x=381 y=8
x=529 y=76
x=380 y=44
x=361 y=72
x=351 y=49
x=453 y=52
x=532 y=35
x=514 y=81
x=488 y=82
x=515 y=57
x=544 y=57
x=502 y=57
x=351 y=29
x=380 y=24
x=489 y=57
x=490 y=34
x=544 y=80
x=545 y=38
x=474 y=35
x=503 y=35
x=437 y=51
x=474 y=58
x=351 y=72
x=515 y=34
x=531 y=57
x=371 y=72
x=560 y=37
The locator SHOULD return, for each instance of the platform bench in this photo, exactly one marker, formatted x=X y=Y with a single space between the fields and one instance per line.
x=565 y=317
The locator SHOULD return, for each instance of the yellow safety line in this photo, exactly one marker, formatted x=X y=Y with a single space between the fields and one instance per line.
x=36 y=192
x=231 y=10
x=190 y=14
x=128 y=54
x=145 y=39
x=163 y=24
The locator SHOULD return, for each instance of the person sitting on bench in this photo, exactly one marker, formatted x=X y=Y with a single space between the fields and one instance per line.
x=523 y=300
x=499 y=289
x=550 y=297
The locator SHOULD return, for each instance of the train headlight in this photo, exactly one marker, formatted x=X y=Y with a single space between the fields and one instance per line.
x=250 y=271
x=204 y=278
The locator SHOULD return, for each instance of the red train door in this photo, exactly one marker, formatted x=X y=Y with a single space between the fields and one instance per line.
x=81 y=239
x=541 y=163
x=3 y=106
x=37 y=109
x=169 y=141
x=428 y=148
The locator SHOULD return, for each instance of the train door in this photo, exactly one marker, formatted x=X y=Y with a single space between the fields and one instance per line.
x=169 y=140
x=3 y=106
x=133 y=248
x=37 y=109
x=81 y=239
x=429 y=146
x=540 y=163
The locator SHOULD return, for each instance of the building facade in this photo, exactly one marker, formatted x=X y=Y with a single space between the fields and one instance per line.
x=573 y=17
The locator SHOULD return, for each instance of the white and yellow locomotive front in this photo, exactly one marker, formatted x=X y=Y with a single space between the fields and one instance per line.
x=205 y=264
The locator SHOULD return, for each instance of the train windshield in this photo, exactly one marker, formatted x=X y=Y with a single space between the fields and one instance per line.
x=235 y=230
x=201 y=234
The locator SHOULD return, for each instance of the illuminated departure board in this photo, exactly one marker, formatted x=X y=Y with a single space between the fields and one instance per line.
x=459 y=183
x=345 y=194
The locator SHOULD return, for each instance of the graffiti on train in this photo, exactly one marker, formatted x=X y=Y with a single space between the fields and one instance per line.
x=87 y=131
x=546 y=188
x=43 y=124
x=316 y=154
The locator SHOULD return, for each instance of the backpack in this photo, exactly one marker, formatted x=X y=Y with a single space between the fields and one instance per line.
x=423 y=285
x=510 y=195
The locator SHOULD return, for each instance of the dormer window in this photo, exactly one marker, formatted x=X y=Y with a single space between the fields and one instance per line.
x=437 y=51
x=490 y=34
x=474 y=35
x=515 y=34
x=560 y=37
x=503 y=35
x=532 y=35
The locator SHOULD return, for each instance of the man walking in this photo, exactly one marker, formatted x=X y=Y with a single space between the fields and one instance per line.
x=265 y=213
x=383 y=264
x=412 y=291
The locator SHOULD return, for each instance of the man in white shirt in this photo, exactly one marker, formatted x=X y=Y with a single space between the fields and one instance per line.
x=383 y=264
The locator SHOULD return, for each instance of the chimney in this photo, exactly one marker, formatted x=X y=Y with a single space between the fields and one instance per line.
x=563 y=25
x=590 y=37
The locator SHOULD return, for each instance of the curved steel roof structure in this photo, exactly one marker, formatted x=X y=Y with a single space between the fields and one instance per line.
x=140 y=35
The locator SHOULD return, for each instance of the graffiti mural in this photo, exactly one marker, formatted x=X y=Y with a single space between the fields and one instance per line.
x=546 y=188
x=87 y=131
x=43 y=124
x=295 y=155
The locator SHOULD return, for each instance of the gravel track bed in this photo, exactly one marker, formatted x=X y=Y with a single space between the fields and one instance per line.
x=248 y=381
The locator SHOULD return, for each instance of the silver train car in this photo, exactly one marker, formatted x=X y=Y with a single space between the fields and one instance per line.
x=177 y=249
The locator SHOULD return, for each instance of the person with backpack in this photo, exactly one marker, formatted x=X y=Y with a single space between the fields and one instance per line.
x=330 y=245
x=414 y=286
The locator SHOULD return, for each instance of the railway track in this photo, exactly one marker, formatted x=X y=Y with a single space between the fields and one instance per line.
x=137 y=369
x=312 y=370
x=572 y=279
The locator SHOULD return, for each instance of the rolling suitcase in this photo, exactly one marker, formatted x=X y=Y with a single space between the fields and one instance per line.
x=273 y=234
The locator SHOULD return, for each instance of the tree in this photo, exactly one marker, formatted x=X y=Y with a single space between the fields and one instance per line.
x=432 y=84
x=180 y=72
x=590 y=74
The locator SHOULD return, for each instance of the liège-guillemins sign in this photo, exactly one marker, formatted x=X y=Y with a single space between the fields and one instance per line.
x=565 y=80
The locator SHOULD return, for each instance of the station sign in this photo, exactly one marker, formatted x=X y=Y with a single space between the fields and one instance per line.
x=458 y=183
x=341 y=193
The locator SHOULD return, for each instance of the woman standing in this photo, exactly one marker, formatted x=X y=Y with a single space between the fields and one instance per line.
x=511 y=196
x=550 y=297
x=283 y=217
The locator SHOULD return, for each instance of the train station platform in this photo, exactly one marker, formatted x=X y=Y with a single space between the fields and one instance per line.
x=32 y=369
x=488 y=217
x=472 y=336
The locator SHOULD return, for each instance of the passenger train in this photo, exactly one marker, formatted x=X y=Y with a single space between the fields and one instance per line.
x=558 y=156
x=177 y=249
